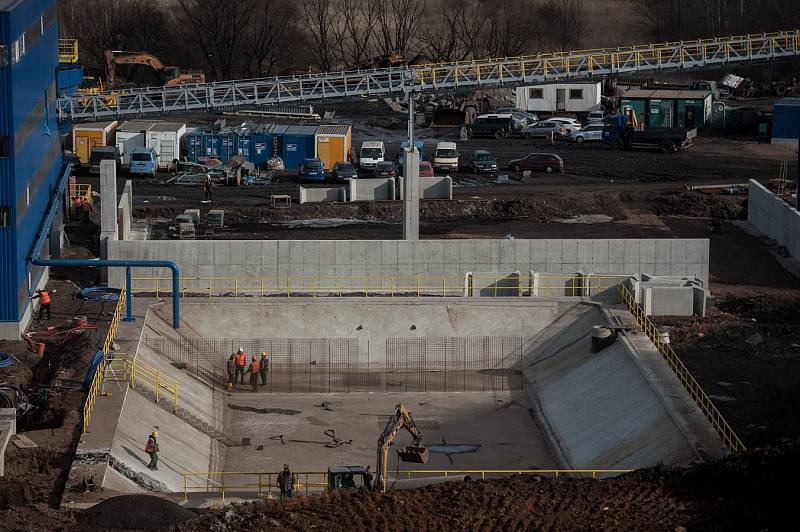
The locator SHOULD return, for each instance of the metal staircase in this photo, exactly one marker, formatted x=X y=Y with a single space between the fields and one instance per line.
x=534 y=69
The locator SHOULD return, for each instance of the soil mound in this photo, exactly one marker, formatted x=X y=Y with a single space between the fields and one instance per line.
x=134 y=512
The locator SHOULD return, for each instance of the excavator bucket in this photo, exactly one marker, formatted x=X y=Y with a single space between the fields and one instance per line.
x=413 y=453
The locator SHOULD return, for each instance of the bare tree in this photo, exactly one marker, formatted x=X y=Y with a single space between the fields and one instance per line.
x=317 y=18
x=216 y=29
x=511 y=27
x=398 y=24
x=566 y=22
x=265 y=36
x=452 y=30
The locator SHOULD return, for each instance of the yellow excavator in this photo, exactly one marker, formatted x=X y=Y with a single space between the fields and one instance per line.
x=169 y=76
x=361 y=477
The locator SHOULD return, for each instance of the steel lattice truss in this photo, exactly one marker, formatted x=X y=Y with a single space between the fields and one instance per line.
x=523 y=70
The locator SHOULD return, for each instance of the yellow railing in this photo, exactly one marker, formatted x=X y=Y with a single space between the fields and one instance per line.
x=125 y=367
x=262 y=483
x=83 y=191
x=386 y=286
x=68 y=50
x=710 y=411
x=97 y=381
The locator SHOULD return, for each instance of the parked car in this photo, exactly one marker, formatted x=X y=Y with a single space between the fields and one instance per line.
x=544 y=129
x=372 y=152
x=385 y=169
x=589 y=132
x=549 y=162
x=343 y=170
x=312 y=170
x=144 y=161
x=425 y=169
x=570 y=124
x=102 y=153
x=531 y=118
x=498 y=126
x=596 y=116
x=483 y=162
x=445 y=158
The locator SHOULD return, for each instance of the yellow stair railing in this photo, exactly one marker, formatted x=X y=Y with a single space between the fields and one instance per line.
x=68 y=50
x=710 y=411
x=139 y=375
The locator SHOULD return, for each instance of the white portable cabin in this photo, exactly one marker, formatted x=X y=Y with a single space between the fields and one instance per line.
x=131 y=135
x=575 y=97
x=165 y=138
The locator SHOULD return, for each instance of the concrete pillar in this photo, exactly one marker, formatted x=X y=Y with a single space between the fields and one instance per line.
x=108 y=205
x=411 y=194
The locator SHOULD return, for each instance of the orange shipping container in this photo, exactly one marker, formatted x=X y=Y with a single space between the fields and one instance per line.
x=87 y=136
x=333 y=144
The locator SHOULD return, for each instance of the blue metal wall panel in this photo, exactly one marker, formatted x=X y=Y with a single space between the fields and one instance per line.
x=35 y=162
x=786 y=119
x=7 y=284
x=298 y=144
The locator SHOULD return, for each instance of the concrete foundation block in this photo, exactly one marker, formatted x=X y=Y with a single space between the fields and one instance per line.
x=372 y=189
x=322 y=194
x=668 y=300
x=494 y=284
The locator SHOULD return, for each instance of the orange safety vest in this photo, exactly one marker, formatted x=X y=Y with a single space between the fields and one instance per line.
x=241 y=359
x=254 y=367
x=77 y=202
x=44 y=298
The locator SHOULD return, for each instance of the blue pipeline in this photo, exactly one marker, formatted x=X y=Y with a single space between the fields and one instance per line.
x=99 y=263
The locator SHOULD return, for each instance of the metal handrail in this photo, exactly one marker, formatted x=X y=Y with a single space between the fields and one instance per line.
x=263 y=484
x=690 y=384
x=115 y=321
x=139 y=373
x=68 y=50
x=419 y=285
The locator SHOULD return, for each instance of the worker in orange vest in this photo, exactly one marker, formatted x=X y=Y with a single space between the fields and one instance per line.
x=86 y=206
x=253 y=371
x=44 y=302
x=76 y=206
x=241 y=360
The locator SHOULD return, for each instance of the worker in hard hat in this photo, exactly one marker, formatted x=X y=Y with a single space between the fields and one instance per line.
x=286 y=482
x=231 y=367
x=44 y=302
x=263 y=367
x=152 y=449
x=253 y=371
x=241 y=361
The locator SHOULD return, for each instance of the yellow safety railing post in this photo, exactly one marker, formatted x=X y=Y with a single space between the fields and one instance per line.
x=222 y=485
x=185 y=487
x=158 y=385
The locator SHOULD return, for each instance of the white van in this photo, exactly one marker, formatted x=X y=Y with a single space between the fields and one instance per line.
x=446 y=157
x=372 y=152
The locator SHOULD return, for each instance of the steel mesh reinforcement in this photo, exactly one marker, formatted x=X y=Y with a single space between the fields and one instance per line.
x=340 y=365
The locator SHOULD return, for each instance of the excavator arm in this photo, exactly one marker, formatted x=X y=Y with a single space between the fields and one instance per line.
x=117 y=57
x=401 y=419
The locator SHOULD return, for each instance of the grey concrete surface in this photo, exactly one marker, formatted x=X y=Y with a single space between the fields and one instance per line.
x=498 y=422
x=346 y=263
x=8 y=427
x=410 y=194
x=774 y=217
x=430 y=187
x=108 y=205
x=315 y=195
x=125 y=211
x=495 y=284
x=374 y=189
x=600 y=409
x=668 y=301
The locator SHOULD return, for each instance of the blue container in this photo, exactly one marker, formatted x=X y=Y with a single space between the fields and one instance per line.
x=786 y=119
x=70 y=76
x=194 y=145
x=261 y=144
x=299 y=143
x=30 y=146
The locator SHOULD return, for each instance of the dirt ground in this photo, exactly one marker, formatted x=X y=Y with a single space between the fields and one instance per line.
x=744 y=492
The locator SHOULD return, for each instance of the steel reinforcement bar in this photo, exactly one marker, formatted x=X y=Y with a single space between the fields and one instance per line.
x=699 y=54
x=710 y=411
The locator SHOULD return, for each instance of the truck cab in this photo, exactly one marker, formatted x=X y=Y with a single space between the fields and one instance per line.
x=342 y=477
x=445 y=158
x=144 y=161
x=420 y=145
x=372 y=152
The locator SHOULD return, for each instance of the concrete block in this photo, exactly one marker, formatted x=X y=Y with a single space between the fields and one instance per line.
x=699 y=301
x=494 y=284
x=668 y=301
x=436 y=188
x=194 y=214
x=216 y=218
x=372 y=189
x=322 y=194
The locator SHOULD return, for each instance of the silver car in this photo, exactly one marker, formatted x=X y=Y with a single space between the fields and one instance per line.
x=544 y=129
x=589 y=132
x=570 y=124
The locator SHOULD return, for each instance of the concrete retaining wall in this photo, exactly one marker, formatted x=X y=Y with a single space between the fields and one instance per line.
x=357 y=259
x=316 y=195
x=774 y=217
x=372 y=189
x=125 y=212
x=430 y=187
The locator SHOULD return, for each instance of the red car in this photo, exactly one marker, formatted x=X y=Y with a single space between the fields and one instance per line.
x=425 y=169
x=549 y=162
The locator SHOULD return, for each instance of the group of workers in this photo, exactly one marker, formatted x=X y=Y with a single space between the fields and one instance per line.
x=237 y=369
x=83 y=205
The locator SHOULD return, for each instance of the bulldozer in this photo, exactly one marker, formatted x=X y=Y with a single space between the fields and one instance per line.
x=170 y=76
x=340 y=477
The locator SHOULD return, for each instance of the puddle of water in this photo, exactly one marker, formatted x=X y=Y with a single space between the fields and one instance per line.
x=282 y=411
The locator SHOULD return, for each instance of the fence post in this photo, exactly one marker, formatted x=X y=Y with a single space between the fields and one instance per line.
x=185 y=488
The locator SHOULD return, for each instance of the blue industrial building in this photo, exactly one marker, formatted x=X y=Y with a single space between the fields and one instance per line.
x=30 y=150
x=786 y=121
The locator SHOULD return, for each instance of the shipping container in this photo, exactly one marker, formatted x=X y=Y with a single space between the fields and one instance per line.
x=261 y=144
x=86 y=136
x=70 y=78
x=165 y=138
x=298 y=144
x=194 y=144
x=786 y=121
x=680 y=108
x=574 y=97
x=131 y=135
x=333 y=143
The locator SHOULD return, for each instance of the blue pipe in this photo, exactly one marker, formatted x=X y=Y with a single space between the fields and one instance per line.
x=99 y=263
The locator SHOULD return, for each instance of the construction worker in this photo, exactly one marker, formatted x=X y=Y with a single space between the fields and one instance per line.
x=86 y=207
x=286 y=482
x=152 y=449
x=263 y=367
x=231 y=370
x=77 y=206
x=207 y=184
x=44 y=302
x=241 y=360
x=253 y=371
